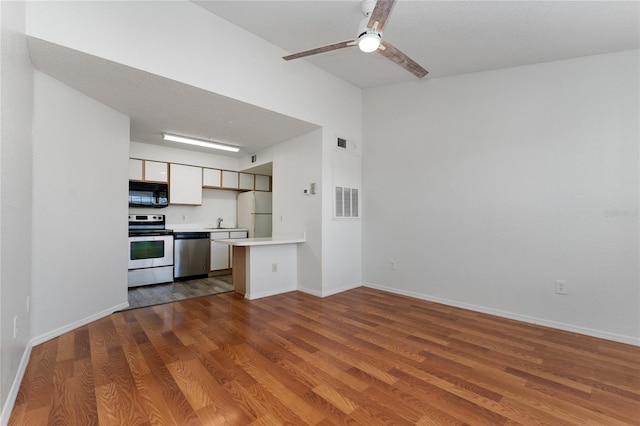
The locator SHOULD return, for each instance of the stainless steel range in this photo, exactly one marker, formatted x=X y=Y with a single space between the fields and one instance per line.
x=150 y=250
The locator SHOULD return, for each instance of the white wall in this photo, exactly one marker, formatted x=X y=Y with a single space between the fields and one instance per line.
x=215 y=203
x=487 y=188
x=297 y=163
x=169 y=154
x=296 y=89
x=186 y=33
x=342 y=238
x=262 y=281
x=81 y=152
x=16 y=106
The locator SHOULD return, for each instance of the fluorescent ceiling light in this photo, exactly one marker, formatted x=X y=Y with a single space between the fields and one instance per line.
x=199 y=142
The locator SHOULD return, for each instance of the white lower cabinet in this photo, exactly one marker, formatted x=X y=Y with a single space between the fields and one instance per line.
x=221 y=253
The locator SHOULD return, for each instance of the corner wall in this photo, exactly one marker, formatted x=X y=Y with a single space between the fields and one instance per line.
x=297 y=163
x=297 y=89
x=80 y=172
x=486 y=188
x=16 y=106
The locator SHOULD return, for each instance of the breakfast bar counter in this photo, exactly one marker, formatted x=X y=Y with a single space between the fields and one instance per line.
x=264 y=267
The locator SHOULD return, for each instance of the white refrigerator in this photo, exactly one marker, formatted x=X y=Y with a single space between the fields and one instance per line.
x=254 y=213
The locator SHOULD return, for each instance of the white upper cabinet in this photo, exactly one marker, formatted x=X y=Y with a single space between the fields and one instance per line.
x=247 y=181
x=135 y=169
x=183 y=177
x=211 y=178
x=149 y=171
x=156 y=171
x=263 y=183
x=229 y=179
x=185 y=185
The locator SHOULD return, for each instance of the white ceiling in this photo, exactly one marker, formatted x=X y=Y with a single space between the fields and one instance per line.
x=157 y=104
x=446 y=38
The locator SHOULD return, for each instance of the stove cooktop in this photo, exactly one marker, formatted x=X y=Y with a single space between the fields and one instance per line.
x=147 y=225
x=149 y=232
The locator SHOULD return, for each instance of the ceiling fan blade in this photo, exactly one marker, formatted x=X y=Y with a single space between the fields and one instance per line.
x=391 y=52
x=380 y=14
x=322 y=49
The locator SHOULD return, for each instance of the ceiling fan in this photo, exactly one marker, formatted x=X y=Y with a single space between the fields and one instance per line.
x=369 y=38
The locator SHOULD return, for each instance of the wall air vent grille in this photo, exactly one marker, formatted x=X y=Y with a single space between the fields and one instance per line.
x=342 y=143
x=339 y=208
x=347 y=202
x=354 y=203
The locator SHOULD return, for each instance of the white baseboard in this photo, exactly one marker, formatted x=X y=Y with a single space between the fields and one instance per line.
x=84 y=321
x=340 y=289
x=330 y=292
x=630 y=340
x=310 y=291
x=261 y=294
x=7 y=407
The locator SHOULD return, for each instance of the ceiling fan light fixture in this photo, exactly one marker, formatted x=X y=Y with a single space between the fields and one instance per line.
x=199 y=142
x=369 y=41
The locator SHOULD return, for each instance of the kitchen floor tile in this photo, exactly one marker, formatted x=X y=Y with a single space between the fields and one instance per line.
x=180 y=290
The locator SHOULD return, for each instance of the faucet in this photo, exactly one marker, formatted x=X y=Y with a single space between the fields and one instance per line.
x=219 y=221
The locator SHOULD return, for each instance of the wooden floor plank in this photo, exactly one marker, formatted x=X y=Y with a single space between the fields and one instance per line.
x=359 y=357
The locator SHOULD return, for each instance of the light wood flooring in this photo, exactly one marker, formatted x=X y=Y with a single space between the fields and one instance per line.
x=362 y=357
x=150 y=295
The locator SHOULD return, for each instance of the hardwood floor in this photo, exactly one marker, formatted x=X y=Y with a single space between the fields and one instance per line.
x=359 y=357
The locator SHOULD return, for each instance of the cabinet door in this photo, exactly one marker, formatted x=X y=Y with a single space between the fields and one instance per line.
x=155 y=171
x=135 y=169
x=211 y=178
x=229 y=179
x=185 y=186
x=219 y=252
x=263 y=183
x=247 y=181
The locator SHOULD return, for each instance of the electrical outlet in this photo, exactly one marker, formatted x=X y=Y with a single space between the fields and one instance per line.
x=561 y=287
x=392 y=265
x=274 y=267
x=15 y=326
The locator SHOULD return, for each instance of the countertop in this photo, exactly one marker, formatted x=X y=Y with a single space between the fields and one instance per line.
x=187 y=228
x=267 y=241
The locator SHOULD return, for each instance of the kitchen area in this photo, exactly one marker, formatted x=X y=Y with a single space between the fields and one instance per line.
x=177 y=213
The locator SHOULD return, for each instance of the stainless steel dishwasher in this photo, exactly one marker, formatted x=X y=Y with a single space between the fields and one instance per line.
x=191 y=255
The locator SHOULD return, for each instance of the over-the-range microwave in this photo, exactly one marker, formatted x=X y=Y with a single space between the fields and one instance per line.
x=148 y=194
